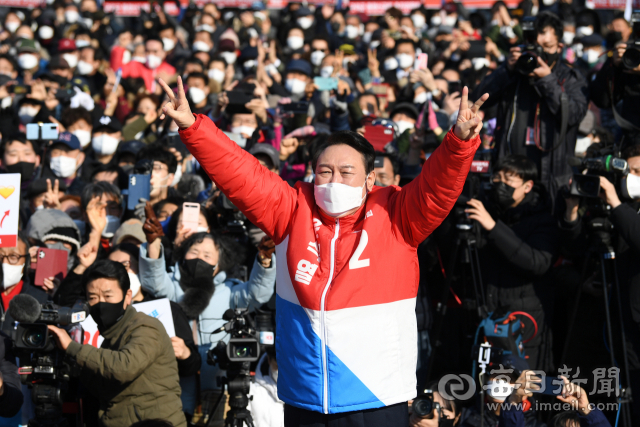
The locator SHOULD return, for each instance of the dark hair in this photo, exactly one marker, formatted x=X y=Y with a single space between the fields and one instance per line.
x=395 y=12
x=128 y=248
x=74 y=115
x=21 y=138
x=405 y=41
x=175 y=200
x=548 y=19
x=226 y=246
x=353 y=140
x=322 y=37
x=194 y=60
x=519 y=165
x=449 y=404
x=157 y=152
x=161 y=28
x=565 y=419
x=217 y=58
x=106 y=269
x=369 y=93
x=152 y=423
x=22 y=237
x=97 y=190
x=631 y=151
x=152 y=96
x=12 y=60
x=198 y=75
x=121 y=180
x=393 y=159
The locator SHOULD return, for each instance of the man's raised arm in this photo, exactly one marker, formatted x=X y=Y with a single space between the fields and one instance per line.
x=261 y=195
x=425 y=202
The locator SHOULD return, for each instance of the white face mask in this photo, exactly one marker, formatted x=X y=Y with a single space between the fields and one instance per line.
x=404 y=60
x=351 y=32
x=134 y=283
x=295 y=42
x=6 y=102
x=11 y=275
x=305 y=22
x=113 y=223
x=205 y=27
x=419 y=21
x=27 y=61
x=450 y=21
x=63 y=166
x=202 y=230
x=104 y=145
x=436 y=21
x=581 y=146
x=630 y=186
x=583 y=31
x=420 y=98
x=230 y=57
x=27 y=113
x=153 y=61
x=84 y=68
x=374 y=44
x=82 y=43
x=336 y=199
x=71 y=16
x=295 y=86
x=245 y=131
x=590 y=56
x=71 y=59
x=200 y=46
x=45 y=33
x=567 y=37
x=168 y=44
x=12 y=26
x=177 y=176
x=548 y=2
x=140 y=59
x=404 y=125
x=366 y=37
x=216 y=74
x=499 y=390
x=126 y=57
x=326 y=71
x=390 y=63
x=197 y=95
x=316 y=57
x=84 y=136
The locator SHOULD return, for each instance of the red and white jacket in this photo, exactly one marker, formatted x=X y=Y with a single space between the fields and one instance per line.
x=346 y=335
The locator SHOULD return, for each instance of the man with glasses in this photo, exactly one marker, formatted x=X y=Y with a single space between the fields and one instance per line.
x=518 y=246
x=15 y=279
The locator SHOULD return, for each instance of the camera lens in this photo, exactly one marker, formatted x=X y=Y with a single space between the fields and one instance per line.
x=631 y=58
x=243 y=351
x=422 y=406
x=34 y=338
x=527 y=62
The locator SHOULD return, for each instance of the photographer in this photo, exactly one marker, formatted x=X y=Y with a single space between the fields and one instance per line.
x=517 y=248
x=530 y=111
x=134 y=374
x=10 y=389
x=445 y=412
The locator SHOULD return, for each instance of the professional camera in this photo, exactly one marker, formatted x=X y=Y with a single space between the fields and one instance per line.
x=598 y=163
x=41 y=363
x=231 y=219
x=531 y=50
x=423 y=406
x=631 y=56
x=477 y=181
x=236 y=358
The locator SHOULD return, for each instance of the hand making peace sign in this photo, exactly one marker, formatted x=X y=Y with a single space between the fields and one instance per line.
x=177 y=108
x=468 y=125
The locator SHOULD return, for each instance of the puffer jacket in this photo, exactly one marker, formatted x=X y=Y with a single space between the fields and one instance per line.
x=266 y=408
x=346 y=287
x=134 y=374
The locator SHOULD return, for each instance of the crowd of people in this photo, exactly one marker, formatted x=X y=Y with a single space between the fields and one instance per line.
x=544 y=236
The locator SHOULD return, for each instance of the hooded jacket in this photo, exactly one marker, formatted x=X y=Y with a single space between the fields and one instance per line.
x=346 y=287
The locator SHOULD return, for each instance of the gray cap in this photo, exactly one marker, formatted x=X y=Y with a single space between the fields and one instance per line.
x=587 y=124
x=269 y=150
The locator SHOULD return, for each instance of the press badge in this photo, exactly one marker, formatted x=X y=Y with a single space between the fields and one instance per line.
x=530 y=138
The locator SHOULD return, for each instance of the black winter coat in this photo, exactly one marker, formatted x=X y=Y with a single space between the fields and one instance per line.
x=11 y=399
x=503 y=86
x=6 y=320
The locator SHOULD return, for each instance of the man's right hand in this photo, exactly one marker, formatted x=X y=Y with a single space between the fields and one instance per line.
x=178 y=107
x=514 y=54
x=618 y=51
x=468 y=125
x=152 y=227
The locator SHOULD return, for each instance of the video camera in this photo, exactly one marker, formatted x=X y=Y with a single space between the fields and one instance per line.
x=631 y=56
x=41 y=364
x=589 y=185
x=477 y=181
x=531 y=50
x=230 y=218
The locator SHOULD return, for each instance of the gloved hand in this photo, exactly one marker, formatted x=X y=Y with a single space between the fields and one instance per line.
x=152 y=228
x=82 y=99
x=266 y=248
x=139 y=210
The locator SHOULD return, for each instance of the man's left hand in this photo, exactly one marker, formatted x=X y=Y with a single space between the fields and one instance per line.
x=61 y=336
x=610 y=195
x=543 y=69
x=478 y=212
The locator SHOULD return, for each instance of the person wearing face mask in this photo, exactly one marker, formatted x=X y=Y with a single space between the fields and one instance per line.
x=532 y=108
x=107 y=134
x=176 y=52
x=16 y=280
x=78 y=121
x=328 y=235
x=155 y=64
x=136 y=364
x=592 y=56
x=198 y=84
x=265 y=406
x=446 y=415
x=199 y=282
x=319 y=50
x=405 y=55
x=297 y=76
x=88 y=66
x=28 y=57
x=404 y=115
x=295 y=43
x=305 y=19
x=518 y=247
x=19 y=155
x=65 y=160
x=68 y=50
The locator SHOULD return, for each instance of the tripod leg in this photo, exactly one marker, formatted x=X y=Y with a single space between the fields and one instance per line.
x=605 y=291
x=476 y=275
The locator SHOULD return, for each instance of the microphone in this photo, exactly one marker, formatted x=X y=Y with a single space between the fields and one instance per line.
x=24 y=309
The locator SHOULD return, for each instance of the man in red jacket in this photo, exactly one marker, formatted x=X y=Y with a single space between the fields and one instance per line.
x=347 y=268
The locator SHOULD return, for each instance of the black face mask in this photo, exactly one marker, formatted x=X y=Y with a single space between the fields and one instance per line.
x=193 y=268
x=106 y=314
x=25 y=170
x=335 y=26
x=445 y=422
x=550 y=58
x=502 y=194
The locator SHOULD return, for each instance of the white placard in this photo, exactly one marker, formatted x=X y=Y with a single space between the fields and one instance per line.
x=160 y=309
x=9 y=209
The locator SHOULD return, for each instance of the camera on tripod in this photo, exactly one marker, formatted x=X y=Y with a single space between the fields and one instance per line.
x=531 y=50
x=631 y=56
x=589 y=185
x=41 y=364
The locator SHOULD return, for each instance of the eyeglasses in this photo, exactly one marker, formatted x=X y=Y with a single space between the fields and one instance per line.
x=13 y=258
x=160 y=168
x=127 y=264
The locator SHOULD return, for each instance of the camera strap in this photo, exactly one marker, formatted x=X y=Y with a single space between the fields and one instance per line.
x=564 y=121
x=621 y=121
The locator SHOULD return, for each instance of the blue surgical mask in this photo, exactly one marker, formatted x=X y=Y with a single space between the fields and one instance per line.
x=165 y=225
